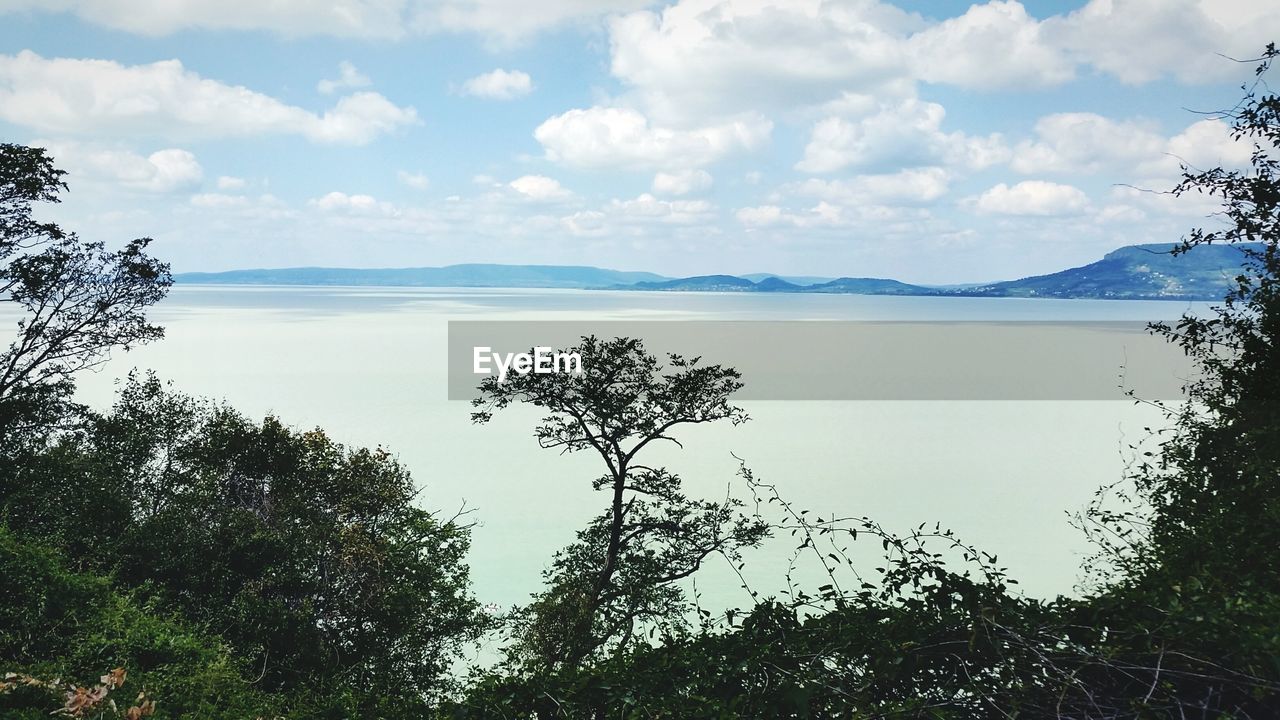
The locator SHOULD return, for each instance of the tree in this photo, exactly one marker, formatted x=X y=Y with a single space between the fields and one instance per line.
x=622 y=573
x=312 y=561
x=1216 y=477
x=61 y=629
x=78 y=299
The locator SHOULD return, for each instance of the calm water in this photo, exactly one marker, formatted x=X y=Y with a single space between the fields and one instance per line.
x=368 y=366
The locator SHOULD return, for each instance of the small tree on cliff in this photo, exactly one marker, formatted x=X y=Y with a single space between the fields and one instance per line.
x=77 y=299
x=622 y=574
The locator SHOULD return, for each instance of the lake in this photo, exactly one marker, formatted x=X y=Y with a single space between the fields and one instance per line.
x=368 y=365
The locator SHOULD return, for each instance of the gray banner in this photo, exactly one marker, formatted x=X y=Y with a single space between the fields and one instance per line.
x=854 y=360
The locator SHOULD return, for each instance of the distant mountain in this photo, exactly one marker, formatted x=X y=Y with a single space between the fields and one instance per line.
x=1135 y=272
x=871 y=286
x=793 y=279
x=470 y=275
x=699 y=283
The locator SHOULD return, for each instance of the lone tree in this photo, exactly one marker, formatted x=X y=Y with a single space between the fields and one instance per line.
x=622 y=574
x=77 y=299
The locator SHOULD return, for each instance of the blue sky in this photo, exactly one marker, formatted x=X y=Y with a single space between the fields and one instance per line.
x=931 y=142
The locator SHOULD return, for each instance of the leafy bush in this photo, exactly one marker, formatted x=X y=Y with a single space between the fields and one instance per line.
x=62 y=628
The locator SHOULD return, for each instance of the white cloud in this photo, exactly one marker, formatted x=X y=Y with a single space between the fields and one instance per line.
x=903 y=135
x=1086 y=143
x=1033 y=197
x=911 y=186
x=162 y=171
x=172 y=169
x=339 y=202
x=1154 y=197
x=348 y=77
x=759 y=215
x=101 y=97
x=612 y=137
x=1141 y=40
x=757 y=55
x=796 y=56
x=540 y=187
x=770 y=54
x=218 y=200
x=227 y=182
x=508 y=21
x=504 y=21
x=499 y=85
x=1121 y=213
x=585 y=222
x=826 y=215
x=881 y=201
x=993 y=45
x=1090 y=143
x=417 y=181
x=1207 y=144
x=682 y=182
x=642 y=216
x=649 y=208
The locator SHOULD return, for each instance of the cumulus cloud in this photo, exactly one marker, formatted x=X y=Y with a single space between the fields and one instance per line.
x=1086 y=143
x=340 y=202
x=682 y=182
x=903 y=135
x=348 y=77
x=165 y=170
x=759 y=215
x=540 y=187
x=585 y=222
x=503 y=21
x=1206 y=144
x=837 y=58
x=218 y=201
x=227 y=182
x=1138 y=41
x=643 y=215
x=649 y=208
x=757 y=55
x=911 y=186
x=1033 y=197
x=417 y=181
x=499 y=85
x=611 y=137
x=996 y=45
x=101 y=97
x=824 y=215
x=783 y=53
x=1089 y=143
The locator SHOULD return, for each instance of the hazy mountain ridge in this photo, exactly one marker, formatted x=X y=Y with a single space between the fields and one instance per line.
x=1134 y=272
x=465 y=275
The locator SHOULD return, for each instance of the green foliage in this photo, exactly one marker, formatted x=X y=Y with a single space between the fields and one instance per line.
x=57 y=623
x=311 y=560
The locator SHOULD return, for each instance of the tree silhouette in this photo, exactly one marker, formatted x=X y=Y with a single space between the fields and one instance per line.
x=77 y=299
x=622 y=573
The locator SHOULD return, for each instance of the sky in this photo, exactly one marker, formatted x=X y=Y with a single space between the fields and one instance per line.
x=927 y=141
